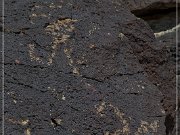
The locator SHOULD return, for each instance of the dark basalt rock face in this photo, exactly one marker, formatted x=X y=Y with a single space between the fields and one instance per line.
x=160 y=64
x=162 y=70
x=73 y=68
x=159 y=61
x=168 y=76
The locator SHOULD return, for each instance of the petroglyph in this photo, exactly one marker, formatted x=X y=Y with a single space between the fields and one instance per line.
x=68 y=55
x=27 y=131
x=60 y=31
x=147 y=128
x=56 y=121
x=20 y=122
x=100 y=108
x=144 y=127
x=33 y=56
x=121 y=116
x=70 y=61
x=73 y=76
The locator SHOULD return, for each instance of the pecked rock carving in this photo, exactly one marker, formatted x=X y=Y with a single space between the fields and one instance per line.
x=73 y=70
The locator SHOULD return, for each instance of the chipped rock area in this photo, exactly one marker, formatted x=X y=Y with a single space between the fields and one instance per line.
x=80 y=68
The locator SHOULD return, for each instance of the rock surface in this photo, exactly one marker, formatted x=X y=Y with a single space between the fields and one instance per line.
x=75 y=68
x=162 y=70
x=168 y=76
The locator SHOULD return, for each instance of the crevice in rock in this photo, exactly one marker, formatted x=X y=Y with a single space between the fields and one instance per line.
x=158 y=19
x=133 y=93
x=1 y=29
x=154 y=8
x=91 y=78
x=169 y=123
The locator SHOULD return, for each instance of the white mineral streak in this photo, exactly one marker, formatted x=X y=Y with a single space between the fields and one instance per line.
x=170 y=31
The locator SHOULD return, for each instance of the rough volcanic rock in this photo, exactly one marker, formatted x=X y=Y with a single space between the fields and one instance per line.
x=160 y=61
x=71 y=69
x=164 y=26
x=168 y=40
x=168 y=76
